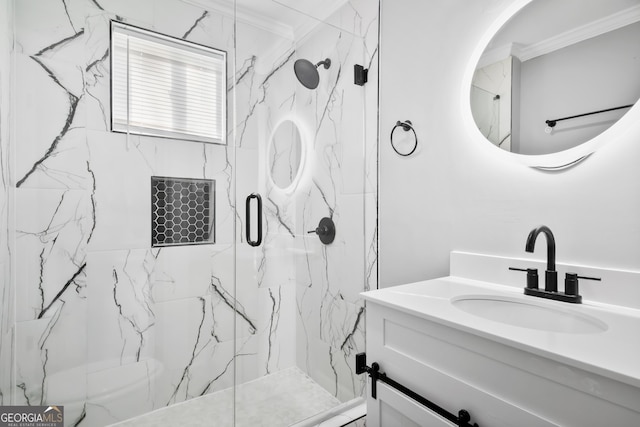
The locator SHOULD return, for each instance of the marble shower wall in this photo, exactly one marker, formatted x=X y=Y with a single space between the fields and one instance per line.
x=97 y=309
x=107 y=325
x=338 y=126
x=6 y=284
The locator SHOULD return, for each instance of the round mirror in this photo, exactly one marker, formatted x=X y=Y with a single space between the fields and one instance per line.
x=285 y=154
x=557 y=74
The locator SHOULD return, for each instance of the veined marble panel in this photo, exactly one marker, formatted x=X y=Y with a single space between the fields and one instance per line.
x=83 y=203
x=277 y=319
x=328 y=299
x=187 y=347
x=123 y=194
x=329 y=278
x=53 y=153
x=121 y=325
x=48 y=346
x=52 y=231
x=6 y=336
x=7 y=308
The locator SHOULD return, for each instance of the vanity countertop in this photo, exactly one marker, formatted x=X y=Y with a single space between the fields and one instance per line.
x=612 y=353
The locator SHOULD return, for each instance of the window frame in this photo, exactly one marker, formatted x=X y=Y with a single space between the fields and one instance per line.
x=172 y=41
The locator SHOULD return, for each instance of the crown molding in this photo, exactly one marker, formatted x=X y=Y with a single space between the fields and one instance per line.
x=584 y=32
x=601 y=26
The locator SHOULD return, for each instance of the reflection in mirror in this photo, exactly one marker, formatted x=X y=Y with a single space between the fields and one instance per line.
x=552 y=61
x=285 y=154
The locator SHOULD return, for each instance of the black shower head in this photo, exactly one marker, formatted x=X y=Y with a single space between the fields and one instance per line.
x=307 y=73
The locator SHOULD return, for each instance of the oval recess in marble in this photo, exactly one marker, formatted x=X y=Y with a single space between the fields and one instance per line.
x=285 y=154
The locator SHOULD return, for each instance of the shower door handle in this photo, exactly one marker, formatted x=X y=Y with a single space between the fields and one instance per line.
x=248 y=219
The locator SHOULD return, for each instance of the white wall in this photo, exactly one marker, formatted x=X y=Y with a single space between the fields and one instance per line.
x=592 y=75
x=460 y=192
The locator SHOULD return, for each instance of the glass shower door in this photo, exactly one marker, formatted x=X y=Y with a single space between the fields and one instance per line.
x=305 y=234
x=120 y=297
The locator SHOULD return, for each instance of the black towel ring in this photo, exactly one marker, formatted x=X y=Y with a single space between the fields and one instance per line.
x=406 y=126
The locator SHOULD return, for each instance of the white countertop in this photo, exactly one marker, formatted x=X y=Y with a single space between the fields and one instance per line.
x=613 y=353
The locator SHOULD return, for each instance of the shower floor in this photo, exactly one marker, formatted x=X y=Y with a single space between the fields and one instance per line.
x=278 y=399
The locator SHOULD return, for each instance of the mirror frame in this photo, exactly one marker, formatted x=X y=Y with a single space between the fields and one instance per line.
x=558 y=161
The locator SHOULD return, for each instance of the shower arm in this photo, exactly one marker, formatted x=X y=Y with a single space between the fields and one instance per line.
x=326 y=63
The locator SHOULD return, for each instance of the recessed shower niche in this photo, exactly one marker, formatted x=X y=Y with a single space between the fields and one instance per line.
x=285 y=155
x=182 y=211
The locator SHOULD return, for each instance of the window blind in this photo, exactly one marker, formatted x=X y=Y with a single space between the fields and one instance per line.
x=166 y=87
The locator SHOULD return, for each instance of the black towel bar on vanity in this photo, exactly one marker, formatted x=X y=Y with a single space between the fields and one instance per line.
x=463 y=419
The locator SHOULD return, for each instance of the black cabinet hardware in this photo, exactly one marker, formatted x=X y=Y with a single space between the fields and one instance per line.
x=463 y=419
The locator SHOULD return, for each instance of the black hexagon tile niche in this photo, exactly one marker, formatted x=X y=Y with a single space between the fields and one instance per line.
x=182 y=211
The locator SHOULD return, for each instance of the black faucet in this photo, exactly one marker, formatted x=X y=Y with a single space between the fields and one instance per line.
x=550 y=291
x=551 y=275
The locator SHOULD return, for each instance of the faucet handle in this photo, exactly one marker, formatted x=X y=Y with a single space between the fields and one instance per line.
x=571 y=282
x=532 y=276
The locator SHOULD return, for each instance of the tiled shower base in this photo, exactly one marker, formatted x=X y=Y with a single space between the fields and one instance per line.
x=278 y=399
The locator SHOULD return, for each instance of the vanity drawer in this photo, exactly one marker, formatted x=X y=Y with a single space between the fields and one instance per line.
x=498 y=385
x=393 y=408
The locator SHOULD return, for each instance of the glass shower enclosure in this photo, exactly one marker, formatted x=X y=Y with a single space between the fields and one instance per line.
x=222 y=270
x=301 y=145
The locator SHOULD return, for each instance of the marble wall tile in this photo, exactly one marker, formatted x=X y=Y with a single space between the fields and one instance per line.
x=195 y=360
x=6 y=337
x=83 y=234
x=123 y=194
x=326 y=323
x=334 y=371
x=277 y=325
x=372 y=139
x=122 y=168
x=140 y=12
x=7 y=308
x=38 y=25
x=49 y=129
x=328 y=290
x=187 y=271
x=51 y=354
x=52 y=231
x=121 y=326
x=371 y=241
x=84 y=203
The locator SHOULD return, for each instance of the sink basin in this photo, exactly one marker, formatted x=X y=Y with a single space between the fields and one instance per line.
x=516 y=312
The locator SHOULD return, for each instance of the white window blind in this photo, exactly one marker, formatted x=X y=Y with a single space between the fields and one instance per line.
x=166 y=87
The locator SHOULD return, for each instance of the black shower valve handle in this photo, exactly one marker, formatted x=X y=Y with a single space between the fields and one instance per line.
x=326 y=230
x=320 y=231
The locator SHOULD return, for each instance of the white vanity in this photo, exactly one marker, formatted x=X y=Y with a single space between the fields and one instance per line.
x=507 y=358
